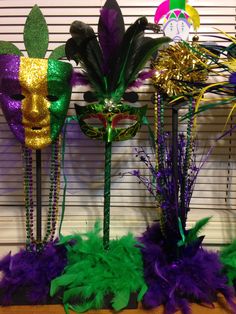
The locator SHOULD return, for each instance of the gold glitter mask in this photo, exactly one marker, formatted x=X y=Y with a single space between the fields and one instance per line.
x=36 y=96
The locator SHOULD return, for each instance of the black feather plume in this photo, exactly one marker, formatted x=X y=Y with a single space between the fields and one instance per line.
x=114 y=62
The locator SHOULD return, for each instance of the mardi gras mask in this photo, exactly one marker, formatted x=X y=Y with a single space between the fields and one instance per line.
x=110 y=120
x=111 y=68
x=176 y=25
x=178 y=19
x=34 y=92
x=35 y=95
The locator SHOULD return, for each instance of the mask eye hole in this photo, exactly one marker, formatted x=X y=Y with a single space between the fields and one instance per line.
x=52 y=98
x=124 y=121
x=95 y=121
x=17 y=97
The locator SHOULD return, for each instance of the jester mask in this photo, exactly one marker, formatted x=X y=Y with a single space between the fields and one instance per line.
x=178 y=18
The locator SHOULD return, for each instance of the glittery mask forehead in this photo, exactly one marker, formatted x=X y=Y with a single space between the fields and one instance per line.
x=35 y=98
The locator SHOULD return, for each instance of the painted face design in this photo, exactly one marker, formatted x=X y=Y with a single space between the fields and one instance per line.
x=35 y=96
x=177 y=26
x=109 y=121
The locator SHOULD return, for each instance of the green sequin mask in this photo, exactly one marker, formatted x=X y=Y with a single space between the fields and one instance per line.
x=109 y=117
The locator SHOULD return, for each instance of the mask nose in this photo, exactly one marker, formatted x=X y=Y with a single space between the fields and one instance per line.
x=36 y=108
x=177 y=28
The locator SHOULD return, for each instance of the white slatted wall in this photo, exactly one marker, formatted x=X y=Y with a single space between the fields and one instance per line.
x=131 y=206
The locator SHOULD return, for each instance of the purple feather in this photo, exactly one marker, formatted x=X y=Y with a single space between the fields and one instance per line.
x=110 y=34
x=232 y=79
x=28 y=274
x=144 y=75
x=79 y=78
x=174 y=282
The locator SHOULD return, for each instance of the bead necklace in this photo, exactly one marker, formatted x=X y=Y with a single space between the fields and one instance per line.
x=53 y=195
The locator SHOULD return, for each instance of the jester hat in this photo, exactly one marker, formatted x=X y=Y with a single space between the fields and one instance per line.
x=177 y=9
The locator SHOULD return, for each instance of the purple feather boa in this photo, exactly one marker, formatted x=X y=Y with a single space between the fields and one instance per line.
x=176 y=282
x=27 y=275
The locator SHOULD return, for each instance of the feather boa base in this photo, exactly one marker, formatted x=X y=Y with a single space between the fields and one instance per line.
x=26 y=276
x=176 y=282
x=228 y=259
x=93 y=273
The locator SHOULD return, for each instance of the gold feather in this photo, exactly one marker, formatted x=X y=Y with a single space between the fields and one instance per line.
x=194 y=16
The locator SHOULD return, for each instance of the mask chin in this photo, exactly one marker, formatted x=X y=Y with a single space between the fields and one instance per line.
x=35 y=96
x=111 y=121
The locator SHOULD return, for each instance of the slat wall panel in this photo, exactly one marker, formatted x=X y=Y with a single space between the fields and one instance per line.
x=131 y=206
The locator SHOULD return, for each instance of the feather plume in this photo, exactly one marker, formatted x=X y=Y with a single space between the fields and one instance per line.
x=194 y=16
x=84 y=47
x=79 y=78
x=131 y=40
x=143 y=76
x=142 y=54
x=112 y=63
x=116 y=273
x=111 y=30
x=192 y=234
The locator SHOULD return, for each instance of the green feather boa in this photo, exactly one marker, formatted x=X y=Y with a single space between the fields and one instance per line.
x=228 y=259
x=92 y=273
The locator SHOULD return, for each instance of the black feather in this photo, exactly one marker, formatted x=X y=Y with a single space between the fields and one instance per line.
x=71 y=50
x=129 y=42
x=144 y=51
x=88 y=52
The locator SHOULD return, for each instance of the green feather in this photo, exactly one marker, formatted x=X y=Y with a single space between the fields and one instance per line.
x=36 y=34
x=142 y=293
x=9 y=48
x=93 y=273
x=81 y=308
x=208 y=106
x=228 y=259
x=193 y=233
x=61 y=281
x=58 y=53
x=121 y=299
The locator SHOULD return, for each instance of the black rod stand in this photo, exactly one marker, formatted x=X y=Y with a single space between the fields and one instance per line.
x=175 y=153
x=38 y=197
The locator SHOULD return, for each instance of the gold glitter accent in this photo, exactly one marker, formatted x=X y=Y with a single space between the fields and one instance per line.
x=177 y=69
x=35 y=106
